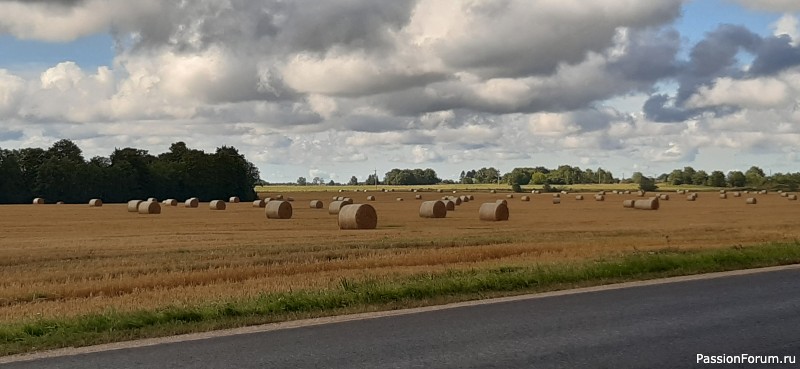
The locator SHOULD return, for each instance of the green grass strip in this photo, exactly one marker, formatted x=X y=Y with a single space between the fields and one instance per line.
x=350 y=296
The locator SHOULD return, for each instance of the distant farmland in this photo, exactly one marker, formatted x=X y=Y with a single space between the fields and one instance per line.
x=71 y=260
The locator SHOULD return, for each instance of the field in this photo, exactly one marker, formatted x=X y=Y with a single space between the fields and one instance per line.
x=71 y=260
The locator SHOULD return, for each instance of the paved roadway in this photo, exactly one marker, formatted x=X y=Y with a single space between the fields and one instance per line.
x=654 y=326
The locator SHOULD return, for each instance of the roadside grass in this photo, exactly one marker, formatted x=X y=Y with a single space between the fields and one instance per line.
x=350 y=296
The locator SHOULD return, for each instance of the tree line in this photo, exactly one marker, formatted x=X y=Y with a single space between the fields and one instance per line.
x=60 y=173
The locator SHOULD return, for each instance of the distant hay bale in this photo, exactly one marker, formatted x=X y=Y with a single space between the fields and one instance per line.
x=414 y=190
x=691 y=198
x=192 y=202
x=648 y=204
x=153 y=199
x=340 y=191
x=556 y=200
x=502 y=201
x=456 y=200
x=537 y=192
x=471 y=197
x=171 y=202
x=278 y=197
x=792 y=197
x=218 y=205
x=316 y=204
x=95 y=203
x=347 y=200
x=358 y=216
x=627 y=192
x=493 y=191
x=335 y=206
x=763 y=192
x=628 y=204
x=737 y=194
x=440 y=190
x=38 y=201
x=752 y=201
x=59 y=203
x=260 y=203
x=370 y=198
x=464 y=198
x=556 y=195
x=641 y=193
x=234 y=200
x=564 y=192
x=335 y=198
x=615 y=192
x=510 y=196
x=599 y=198
x=279 y=210
x=784 y=194
x=449 y=204
x=579 y=197
x=454 y=191
x=433 y=209
x=601 y=193
x=400 y=199
x=133 y=206
x=664 y=197
x=493 y=212
x=149 y=207
x=268 y=199
x=723 y=196
x=418 y=197
x=525 y=198
x=722 y=191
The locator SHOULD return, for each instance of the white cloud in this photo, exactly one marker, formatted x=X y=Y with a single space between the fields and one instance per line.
x=788 y=25
x=763 y=93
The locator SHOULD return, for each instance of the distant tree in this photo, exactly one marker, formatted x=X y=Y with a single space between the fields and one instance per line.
x=676 y=177
x=636 y=177
x=647 y=184
x=538 y=178
x=372 y=180
x=700 y=178
x=754 y=176
x=317 y=181
x=688 y=175
x=331 y=183
x=302 y=181
x=716 y=179
x=353 y=181
x=736 y=178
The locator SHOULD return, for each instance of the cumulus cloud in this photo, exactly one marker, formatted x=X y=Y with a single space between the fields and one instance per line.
x=426 y=81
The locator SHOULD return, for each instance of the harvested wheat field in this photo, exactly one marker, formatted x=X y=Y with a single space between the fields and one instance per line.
x=71 y=260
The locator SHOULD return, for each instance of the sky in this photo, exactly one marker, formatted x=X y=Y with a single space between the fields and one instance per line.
x=336 y=89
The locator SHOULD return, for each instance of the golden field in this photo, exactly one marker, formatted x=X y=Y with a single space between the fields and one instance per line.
x=68 y=260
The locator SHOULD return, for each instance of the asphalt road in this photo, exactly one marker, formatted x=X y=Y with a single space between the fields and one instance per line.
x=658 y=326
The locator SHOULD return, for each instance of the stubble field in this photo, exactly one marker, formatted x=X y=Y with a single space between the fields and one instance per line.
x=71 y=260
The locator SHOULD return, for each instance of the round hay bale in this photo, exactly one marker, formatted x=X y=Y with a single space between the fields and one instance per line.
x=471 y=198
x=316 y=204
x=493 y=191
x=493 y=212
x=391 y=190
x=370 y=198
x=153 y=199
x=502 y=201
x=752 y=201
x=192 y=202
x=627 y=192
x=556 y=200
x=439 y=190
x=525 y=198
x=234 y=200
x=171 y=202
x=510 y=196
x=38 y=201
x=335 y=206
x=418 y=197
x=737 y=194
x=602 y=193
x=260 y=203
x=218 y=205
x=454 y=191
x=722 y=191
x=615 y=192
x=792 y=197
x=691 y=198
x=784 y=194
x=268 y=199
x=335 y=198
x=414 y=190
x=628 y=204
x=649 y=204
x=95 y=203
x=278 y=197
x=664 y=197
x=347 y=200
x=641 y=193
x=59 y=203
x=564 y=192
x=599 y=198
x=340 y=190
x=433 y=209
x=133 y=206
x=358 y=216
x=723 y=196
x=400 y=199
x=556 y=195
x=464 y=198
x=456 y=200
x=579 y=197
x=279 y=210
x=450 y=205
x=290 y=199
x=149 y=207
x=763 y=192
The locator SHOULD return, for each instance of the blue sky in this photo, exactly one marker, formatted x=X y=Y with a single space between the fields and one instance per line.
x=411 y=83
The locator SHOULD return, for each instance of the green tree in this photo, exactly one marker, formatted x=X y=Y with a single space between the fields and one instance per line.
x=735 y=179
x=700 y=178
x=353 y=181
x=539 y=178
x=301 y=181
x=647 y=184
x=676 y=177
x=754 y=176
x=717 y=179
